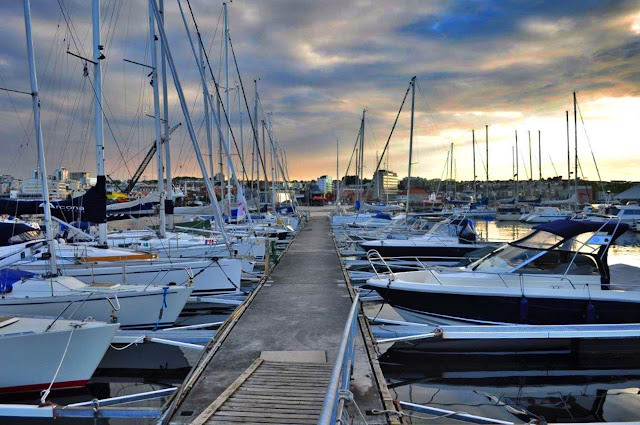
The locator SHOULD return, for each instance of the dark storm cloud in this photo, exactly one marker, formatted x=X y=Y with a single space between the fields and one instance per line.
x=319 y=64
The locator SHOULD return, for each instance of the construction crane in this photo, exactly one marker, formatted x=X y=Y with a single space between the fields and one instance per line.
x=147 y=159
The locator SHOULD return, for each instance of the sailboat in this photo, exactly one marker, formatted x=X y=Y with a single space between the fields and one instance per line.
x=51 y=294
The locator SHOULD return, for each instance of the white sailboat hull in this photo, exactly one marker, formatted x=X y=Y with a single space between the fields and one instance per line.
x=30 y=358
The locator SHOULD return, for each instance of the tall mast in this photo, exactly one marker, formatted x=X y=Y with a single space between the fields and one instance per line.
x=255 y=120
x=568 y=156
x=35 y=99
x=486 y=142
x=226 y=91
x=274 y=158
x=337 y=171
x=207 y=115
x=264 y=158
x=539 y=155
x=473 y=143
x=413 y=98
x=220 y=143
x=575 y=129
x=517 y=167
x=97 y=105
x=530 y=160
x=513 y=173
x=156 y=112
x=451 y=170
x=241 y=135
x=364 y=111
x=167 y=151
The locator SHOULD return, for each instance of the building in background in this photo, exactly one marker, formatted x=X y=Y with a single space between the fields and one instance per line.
x=81 y=176
x=385 y=184
x=325 y=184
x=61 y=174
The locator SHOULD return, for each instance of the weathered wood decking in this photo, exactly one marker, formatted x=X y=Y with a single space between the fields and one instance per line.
x=302 y=307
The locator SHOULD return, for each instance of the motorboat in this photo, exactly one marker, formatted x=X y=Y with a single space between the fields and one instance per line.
x=556 y=275
x=447 y=242
x=33 y=348
x=545 y=215
x=508 y=212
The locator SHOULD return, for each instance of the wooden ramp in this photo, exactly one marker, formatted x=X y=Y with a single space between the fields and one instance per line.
x=271 y=392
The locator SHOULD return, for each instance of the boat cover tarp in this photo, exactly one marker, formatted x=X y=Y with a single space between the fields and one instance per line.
x=88 y=207
x=10 y=229
x=571 y=228
x=10 y=276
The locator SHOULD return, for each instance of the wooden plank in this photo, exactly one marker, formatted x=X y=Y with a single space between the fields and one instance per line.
x=275 y=398
x=258 y=408
x=206 y=414
x=265 y=414
x=240 y=420
x=299 y=377
x=291 y=392
x=315 y=404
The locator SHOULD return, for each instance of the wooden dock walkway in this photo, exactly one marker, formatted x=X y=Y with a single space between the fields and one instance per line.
x=297 y=317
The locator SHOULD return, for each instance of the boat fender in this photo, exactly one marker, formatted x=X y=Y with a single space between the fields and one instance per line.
x=590 y=313
x=524 y=309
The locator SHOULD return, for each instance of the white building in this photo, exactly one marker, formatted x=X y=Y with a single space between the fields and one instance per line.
x=325 y=184
x=33 y=187
x=385 y=183
x=61 y=173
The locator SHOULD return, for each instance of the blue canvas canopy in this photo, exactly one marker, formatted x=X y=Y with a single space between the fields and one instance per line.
x=571 y=228
x=10 y=276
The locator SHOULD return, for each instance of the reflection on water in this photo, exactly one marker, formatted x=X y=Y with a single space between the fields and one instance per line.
x=561 y=387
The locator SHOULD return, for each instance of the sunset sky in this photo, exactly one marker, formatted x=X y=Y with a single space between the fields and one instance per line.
x=510 y=64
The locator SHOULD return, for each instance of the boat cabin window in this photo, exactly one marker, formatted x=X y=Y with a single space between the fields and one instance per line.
x=536 y=261
x=632 y=211
x=539 y=240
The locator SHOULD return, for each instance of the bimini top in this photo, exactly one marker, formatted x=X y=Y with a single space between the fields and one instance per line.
x=570 y=228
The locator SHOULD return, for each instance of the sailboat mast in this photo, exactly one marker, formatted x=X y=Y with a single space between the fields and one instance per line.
x=273 y=163
x=97 y=105
x=413 y=98
x=473 y=144
x=364 y=111
x=158 y=127
x=568 y=155
x=337 y=171
x=167 y=151
x=517 y=168
x=241 y=135
x=575 y=129
x=255 y=138
x=207 y=115
x=539 y=155
x=226 y=91
x=530 y=158
x=35 y=99
x=486 y=143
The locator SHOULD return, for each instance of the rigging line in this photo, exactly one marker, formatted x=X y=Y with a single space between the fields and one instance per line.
x=393 y=127
x=222 y=106
x=584 y=127
x=433 y=122
x=244 y=95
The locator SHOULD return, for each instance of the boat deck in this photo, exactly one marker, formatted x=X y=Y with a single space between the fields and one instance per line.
x=297 y=315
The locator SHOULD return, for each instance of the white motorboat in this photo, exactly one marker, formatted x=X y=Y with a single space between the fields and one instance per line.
x=556 y=275
x=545 y=215
x=140 y=307
x=32 y=348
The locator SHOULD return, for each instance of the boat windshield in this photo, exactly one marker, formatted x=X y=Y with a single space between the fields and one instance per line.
x=533 y=261
x=444 y=228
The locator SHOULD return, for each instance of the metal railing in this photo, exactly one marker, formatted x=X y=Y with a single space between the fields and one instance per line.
x=342 y=369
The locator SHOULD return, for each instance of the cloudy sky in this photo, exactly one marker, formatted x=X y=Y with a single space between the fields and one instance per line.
x=512 y=65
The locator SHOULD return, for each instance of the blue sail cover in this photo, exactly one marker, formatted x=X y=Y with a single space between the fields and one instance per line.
x=571 y=228
x=10 y=276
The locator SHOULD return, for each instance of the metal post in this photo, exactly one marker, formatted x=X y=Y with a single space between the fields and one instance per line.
x=167 y=150
x=568 y=156
x=156 y=109
x=255 y=138
x=35 y=99
x=530 y=160
x=517 y=167
x=337 y=171
x=97 y=105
